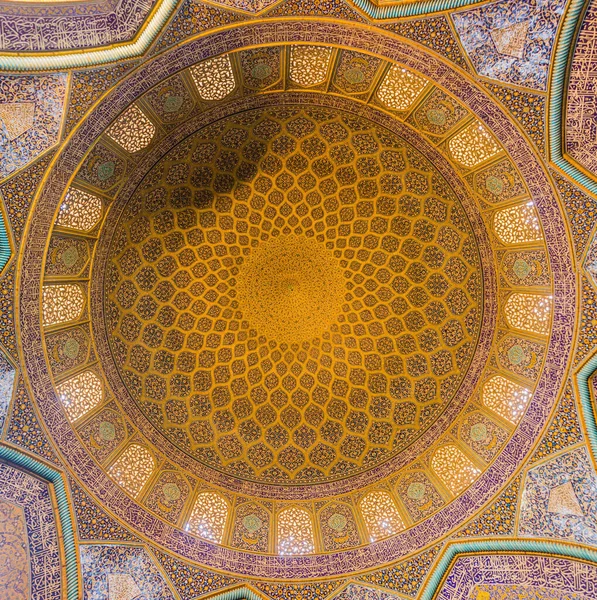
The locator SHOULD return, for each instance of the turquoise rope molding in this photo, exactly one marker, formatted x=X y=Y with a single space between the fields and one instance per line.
x=411 y=9
x=586 y=406
x=557 y=94
x=241 y=593
x=68 y=535
x=500 y=547
x=5 y=251
x=46 y=61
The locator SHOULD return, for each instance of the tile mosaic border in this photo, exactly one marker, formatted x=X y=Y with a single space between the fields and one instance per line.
x=67 y=533
x=71 y=26
x=453 y=551
x=56 y=61
x=556 y=101
x=44 y=61
x=588 y=418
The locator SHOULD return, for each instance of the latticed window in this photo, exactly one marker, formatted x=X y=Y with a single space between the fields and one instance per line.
x=454 y=468
x=133 y=468
x=214 y=77
x=79 y=210
x=473 y=145
x=517 y=224
x=309 y=64
x=209 y=515
x=80 y=394
x=381 y=515
x=295 y=532
x=530 y=312
x=400 y=88
x=505 y=398
x=132 y=130
x=62 y=303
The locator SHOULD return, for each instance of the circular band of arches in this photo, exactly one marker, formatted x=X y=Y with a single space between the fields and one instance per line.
x=522 y=211
x=378 y=510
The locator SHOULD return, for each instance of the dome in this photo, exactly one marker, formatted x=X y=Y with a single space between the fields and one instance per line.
x=294 y=311
x=293 y=299
x=292 y=295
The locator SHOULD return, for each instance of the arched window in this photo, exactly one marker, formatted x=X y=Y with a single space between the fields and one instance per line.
x=309 y=64
x=214 y=78
x=62 y=303
x=133 y=468
x=295 y=532
x=530 y=312
x=132 y=130
x=400 y=88
x=80 y=394
x=454 y=468
x=517 y=224
x=79 y=210
x=473 y=145
x=209 y=515
x=505 y=398
x=381 y=515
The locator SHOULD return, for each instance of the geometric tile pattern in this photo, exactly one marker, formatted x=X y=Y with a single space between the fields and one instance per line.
x=406 y=577
x=339 y=9
x=189 y=581
x=564 y=430
x=528 y=109
x=511 y=40
x=191 y=17
x=23 y=428
x=286 y=591
x=30 y=116
x=559 y=499
x=580 y=210
x=498 y=519
x=433 y=32
x=19 y=191
x=121 y=573
x=93 y=524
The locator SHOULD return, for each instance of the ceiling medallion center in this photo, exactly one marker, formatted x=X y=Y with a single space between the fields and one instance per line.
x=290 y=289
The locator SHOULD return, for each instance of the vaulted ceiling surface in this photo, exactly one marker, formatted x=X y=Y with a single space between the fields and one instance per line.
x=297 y=300
x=293 y=295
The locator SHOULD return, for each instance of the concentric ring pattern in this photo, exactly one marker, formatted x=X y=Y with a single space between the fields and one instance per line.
x=293 y=294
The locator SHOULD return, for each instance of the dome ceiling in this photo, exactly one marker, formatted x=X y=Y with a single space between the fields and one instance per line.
x=296 y=284
x=293 y=294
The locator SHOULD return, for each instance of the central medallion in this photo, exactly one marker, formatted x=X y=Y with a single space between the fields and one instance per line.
x=290 y=289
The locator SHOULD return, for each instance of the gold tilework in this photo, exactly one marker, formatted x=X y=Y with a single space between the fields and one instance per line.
x=292 y=296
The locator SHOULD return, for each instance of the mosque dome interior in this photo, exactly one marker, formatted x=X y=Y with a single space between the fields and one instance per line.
x=298 y=300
